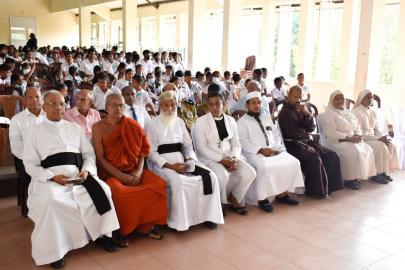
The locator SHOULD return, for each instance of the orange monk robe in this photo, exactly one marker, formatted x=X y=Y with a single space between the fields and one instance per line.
x=138 y=207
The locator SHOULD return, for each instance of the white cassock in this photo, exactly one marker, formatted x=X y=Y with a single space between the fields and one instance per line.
x=188 y=205
x=65 y=217
x=210 y=150
x=385 y=156
x=275 y=174
x=356 y=159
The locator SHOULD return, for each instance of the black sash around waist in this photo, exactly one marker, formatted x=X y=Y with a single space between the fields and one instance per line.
x=94 y=189
x=204 y=173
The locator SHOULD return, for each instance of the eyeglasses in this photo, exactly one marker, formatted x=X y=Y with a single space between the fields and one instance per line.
x=56 y=104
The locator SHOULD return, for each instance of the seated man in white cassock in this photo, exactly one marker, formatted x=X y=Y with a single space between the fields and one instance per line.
x=132 y=110
x=194 y=195
x=217 y=145
x=277 y=172
x=67 y=202
x=385 y=154
x=341 y=131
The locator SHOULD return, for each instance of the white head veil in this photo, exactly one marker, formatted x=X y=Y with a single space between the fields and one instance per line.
x=361 y=96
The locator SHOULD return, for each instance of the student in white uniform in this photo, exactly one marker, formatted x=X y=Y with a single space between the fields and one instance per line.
x=88 y=64
x=193 y=190
x=340 y=129
x=217 y=145
x=384 y=150
x=278 y=93
x=306 y=95
x=132 y=110
x=66 y=216
x=277 y=171
x=101 y=91
x=20 y=126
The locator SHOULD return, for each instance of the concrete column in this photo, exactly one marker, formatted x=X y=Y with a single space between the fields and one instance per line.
x=324 y=53
x=231 y=37
x=130 y=26
x=369 y=45
x=178 y=30
x=157 y=31
x=350 y=22
x=399 y=78
x=84 y=26
x=305 y=40
x=267 y=44
x=284 y=42
x=197 y=28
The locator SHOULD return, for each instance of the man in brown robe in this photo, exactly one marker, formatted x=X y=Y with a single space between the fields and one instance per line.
x=320 y=165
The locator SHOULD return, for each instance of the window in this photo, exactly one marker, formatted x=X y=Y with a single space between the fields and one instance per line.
x=148 y=30
x=250 y=34
x=389 y=42
x=327 y=36
x=214 y=42
x=168 y=32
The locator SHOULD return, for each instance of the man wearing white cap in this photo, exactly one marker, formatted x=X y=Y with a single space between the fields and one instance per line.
x=277 y=171
x=194 y=195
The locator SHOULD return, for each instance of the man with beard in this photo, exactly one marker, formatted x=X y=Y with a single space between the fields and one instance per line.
x=194 y=195
x=320 y=165
x=277 y=172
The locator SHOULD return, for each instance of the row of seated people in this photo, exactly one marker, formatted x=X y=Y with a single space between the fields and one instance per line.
x=250 y=161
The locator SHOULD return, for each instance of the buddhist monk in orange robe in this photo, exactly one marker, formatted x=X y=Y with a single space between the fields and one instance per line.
x=138 y=194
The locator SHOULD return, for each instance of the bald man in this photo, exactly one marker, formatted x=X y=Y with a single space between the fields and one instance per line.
x=21 y=124
x=82 y=114
x=320 y=165
x=67 y=202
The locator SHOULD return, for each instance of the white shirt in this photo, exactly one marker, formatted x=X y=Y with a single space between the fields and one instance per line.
x=87 y=67
x=147 y=66
x=142 y=115
x=65 y=66
x=106 y=66
x=121 y=83
x=142 y=98
x=278 y=94
x=305 y=91
x=99 y=97
x=20 y=126
x=5 y=81
x=155 y=64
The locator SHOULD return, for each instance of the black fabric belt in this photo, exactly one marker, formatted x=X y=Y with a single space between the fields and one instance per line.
x=204 y=173
x=94 y=189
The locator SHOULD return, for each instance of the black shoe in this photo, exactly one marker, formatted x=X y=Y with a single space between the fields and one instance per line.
x=239 y=210
x=107 y=243
x=265 y=205
x=386 y=176
x=287 y=200
x=379 y=179
x=352 y=184
x=58 y=264
x=211 y=225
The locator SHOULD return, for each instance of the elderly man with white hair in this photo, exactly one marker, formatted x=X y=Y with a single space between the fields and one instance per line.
x=194 y=195
x=384 y=151
x=252 y=86
x=277 y=172
x=67 y=202
x=82 y=114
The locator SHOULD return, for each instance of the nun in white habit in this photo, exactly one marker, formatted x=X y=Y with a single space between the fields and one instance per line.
x=277 y=172
x=341 y=133
x=384 y=151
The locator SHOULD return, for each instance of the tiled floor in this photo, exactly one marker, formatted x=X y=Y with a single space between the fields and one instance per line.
x=351 y=230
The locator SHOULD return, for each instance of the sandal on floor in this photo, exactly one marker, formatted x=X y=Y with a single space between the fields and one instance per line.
x=121 y=241
x=239 y=210
x=155 y=234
